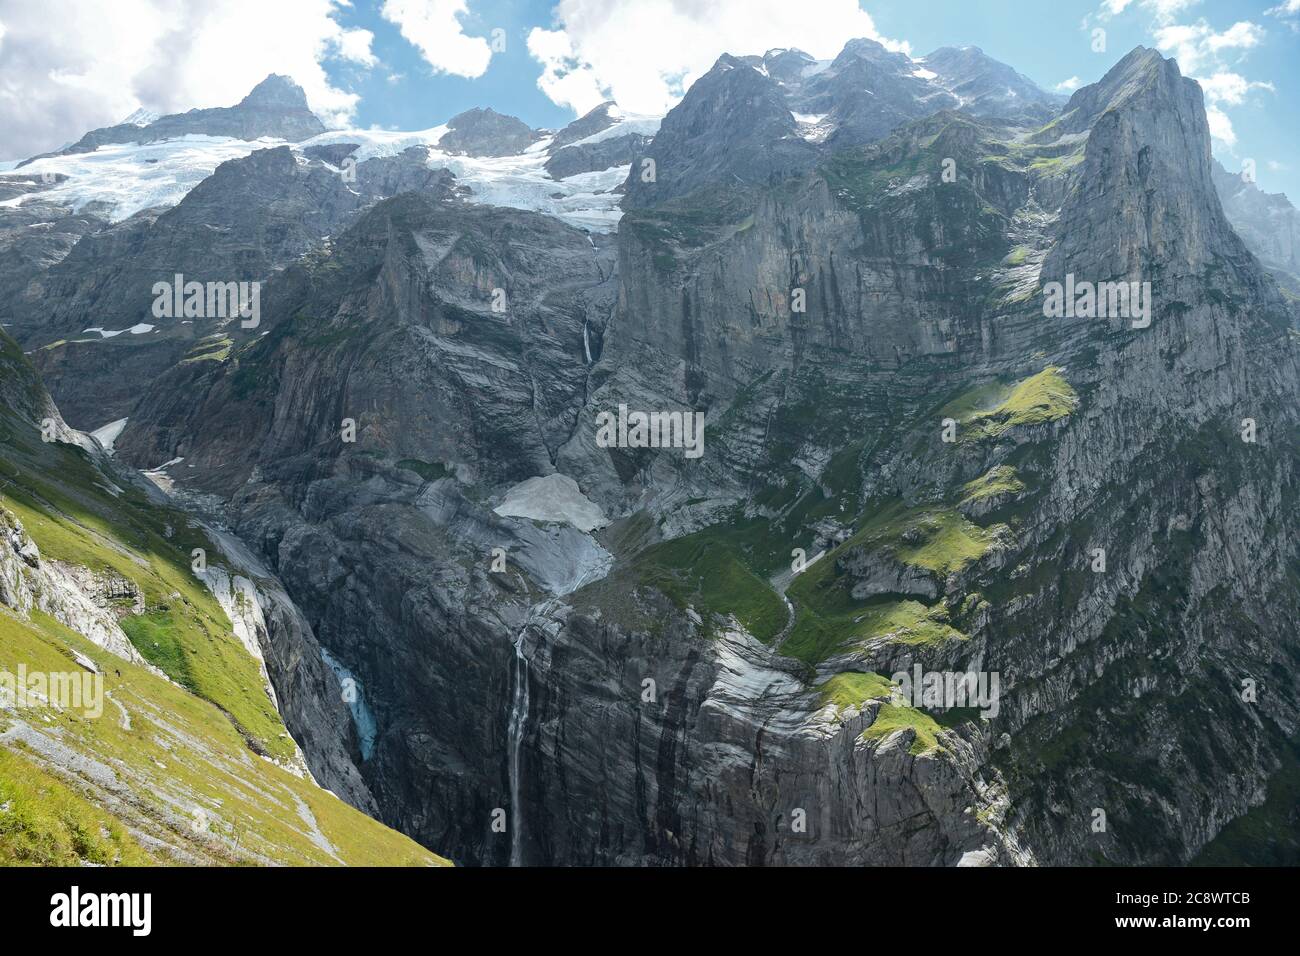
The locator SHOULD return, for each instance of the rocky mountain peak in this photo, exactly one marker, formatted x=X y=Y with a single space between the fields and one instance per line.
x=863 y=48
x=590 y=123
x=1130 y=77
x=988 y=87
x=733 y=126
x=1146 y=200
x=275 y=92
x=485 y=132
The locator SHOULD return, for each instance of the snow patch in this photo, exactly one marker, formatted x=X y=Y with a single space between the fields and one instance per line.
x=140 y=329
x=108 y=434
x=554 y=498
x=129 y=177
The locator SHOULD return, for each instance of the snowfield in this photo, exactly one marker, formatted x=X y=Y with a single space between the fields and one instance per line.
x=129 y=177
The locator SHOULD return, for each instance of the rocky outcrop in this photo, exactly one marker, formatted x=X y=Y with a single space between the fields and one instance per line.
x=593 y=157
x=589 y=124
x=27 y=583
x=250 y=218
x=485 y=132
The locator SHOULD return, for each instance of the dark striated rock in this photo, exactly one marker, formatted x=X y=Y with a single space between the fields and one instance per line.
x=589 y=124
x=732 y=127
x=251 y=217
x=593 y=157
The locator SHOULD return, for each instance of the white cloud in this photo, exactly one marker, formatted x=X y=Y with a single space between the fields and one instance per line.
x=1273 y=165
x=1165 y=11
x=1066 y=86
x=1230 y=88
x=1220 y=126
x=1200 y=50
x=433 y=27
x=645 y=53
x=1198 y=45
x=1203 y=53
x=354 y=46
x=103 y=61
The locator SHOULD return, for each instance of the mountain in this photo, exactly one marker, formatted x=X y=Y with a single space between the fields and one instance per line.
x=601 y=139
x=923 y=303
x=90 y=320
x=480 y=132
x=896 y=453
x=733 y=125
x=183 y=756
x=987 y=87
x=752 y=120
x=1266 y=222
x=276 y=108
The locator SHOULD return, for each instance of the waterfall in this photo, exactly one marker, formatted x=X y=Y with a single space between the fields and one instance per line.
x=586 y=341
x=515 y=731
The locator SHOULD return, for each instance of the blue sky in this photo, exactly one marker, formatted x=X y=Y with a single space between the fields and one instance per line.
x=1049 y=40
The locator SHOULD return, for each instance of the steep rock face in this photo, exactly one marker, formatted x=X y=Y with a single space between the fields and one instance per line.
x=593 y=157
x=959 y=455
x=1143 y=199
x=37 y=234
x=250 y=218
x=452 y=401
x=733 y=762
x=446 y=300
x=733 y=125
x=589 y=124
x=1267 y=223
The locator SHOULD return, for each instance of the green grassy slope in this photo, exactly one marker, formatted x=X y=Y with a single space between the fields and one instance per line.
x=193 y=767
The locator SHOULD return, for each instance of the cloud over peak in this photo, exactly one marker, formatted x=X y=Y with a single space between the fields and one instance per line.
x=105 y=61
x=645 y=53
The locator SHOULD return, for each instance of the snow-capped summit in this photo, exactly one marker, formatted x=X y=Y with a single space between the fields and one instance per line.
x=141 y=117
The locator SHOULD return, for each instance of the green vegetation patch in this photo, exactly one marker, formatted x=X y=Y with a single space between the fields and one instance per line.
x=821 y=632
x=74 y=516
x=895 y=717
x=1045 y=397
x=213 y=348
x=994 y=407
x=994 y=483
x=428 y=470
x=705 y=571
x=45 y=823
x=830 y=620
x=852 y=689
